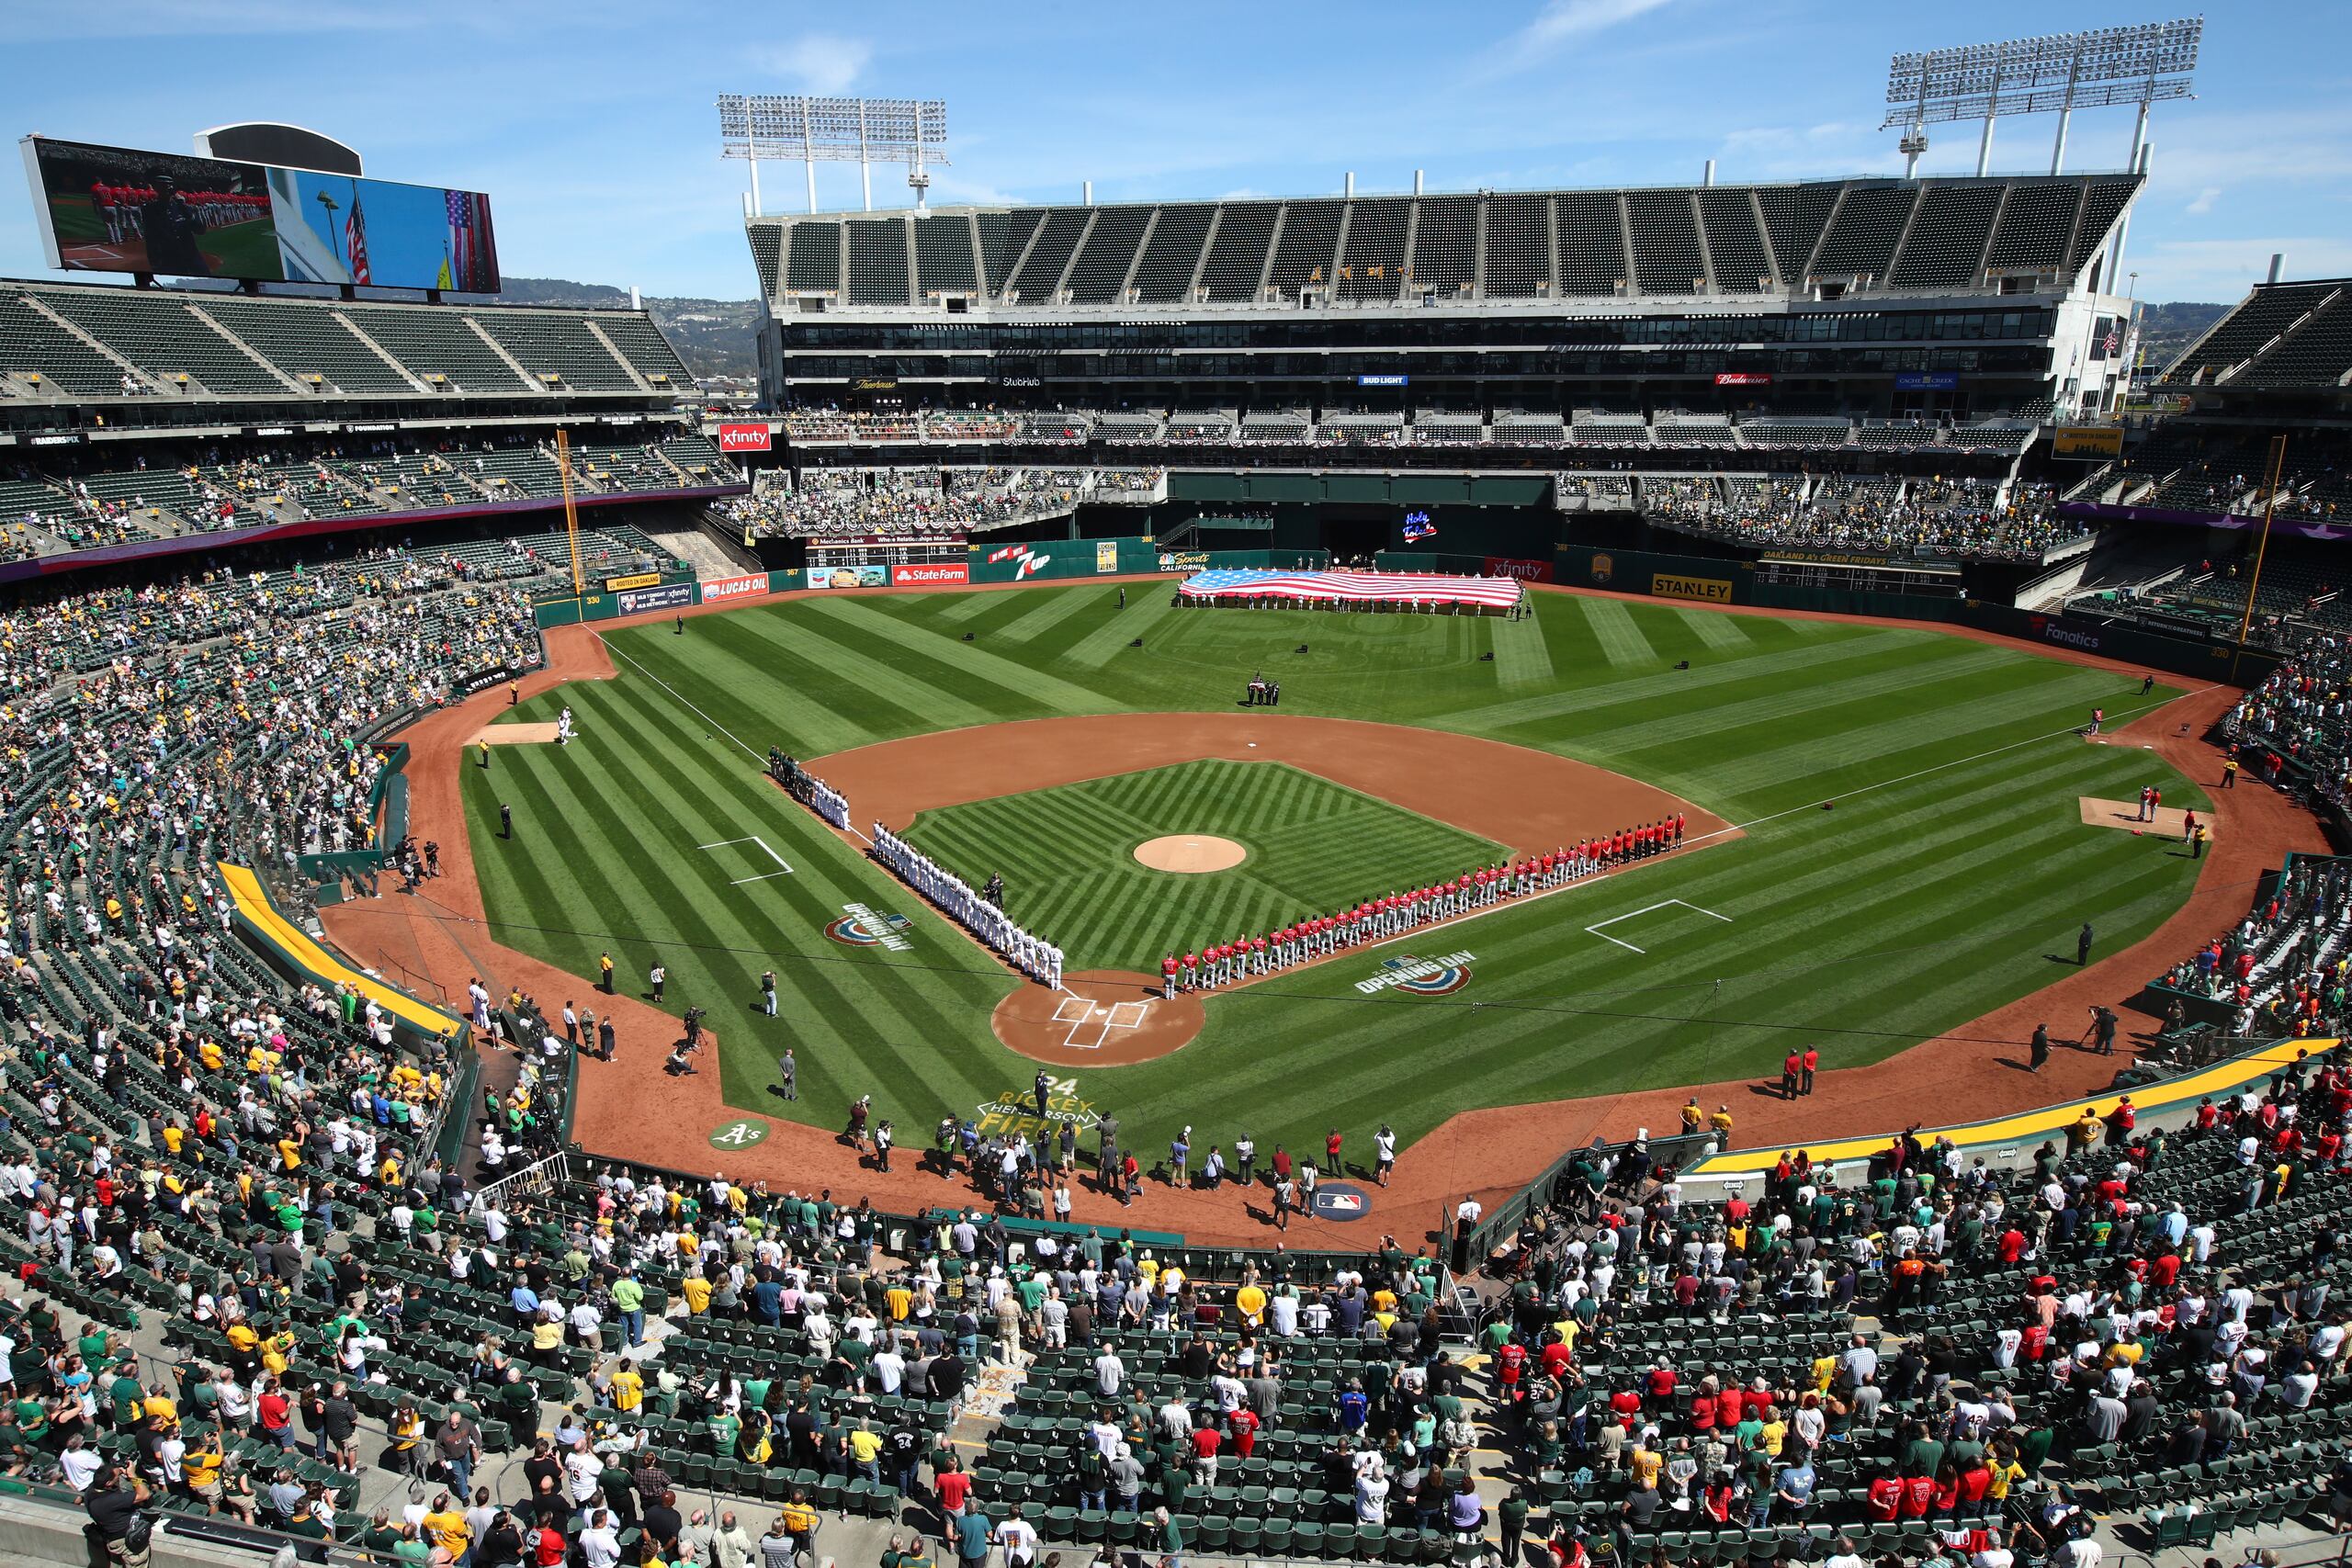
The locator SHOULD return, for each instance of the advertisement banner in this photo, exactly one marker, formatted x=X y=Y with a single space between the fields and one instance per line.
x=875 y=576
x=1388 y=380
x=1742 y=378
x=1184 y=560
x=634 y=580
x=745 y=438
x=1525 y=571
x=637 y=601
x=717 y=588
x=123 y=210
x=1669 y=585
x=2087 y=441
x=1926 y=381
x=1106 y=556
x=932 y=571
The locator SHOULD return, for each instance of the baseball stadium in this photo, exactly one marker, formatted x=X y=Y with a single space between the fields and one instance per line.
x=1589 y=877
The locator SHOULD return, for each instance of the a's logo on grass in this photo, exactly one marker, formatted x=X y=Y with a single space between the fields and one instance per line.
x=1421 y=976
x=1016 y=1110
x=862 y=926
x=1342 y=1201
x=739 y=1134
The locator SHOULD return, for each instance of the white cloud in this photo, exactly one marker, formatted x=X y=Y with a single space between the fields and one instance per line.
x=1563 y=19
x=1557 y=23
x=2204 y=202
x=820 y=62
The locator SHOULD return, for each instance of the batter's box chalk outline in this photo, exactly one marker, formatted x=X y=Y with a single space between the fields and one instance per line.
x=1647 y=908
x=1077 y=1014
x=783 y=867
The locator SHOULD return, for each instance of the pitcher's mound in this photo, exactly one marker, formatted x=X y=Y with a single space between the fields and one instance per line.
x=1190 y=851
x=2170 y=822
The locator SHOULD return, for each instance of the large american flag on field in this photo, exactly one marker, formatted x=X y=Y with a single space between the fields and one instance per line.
x=1367 y=587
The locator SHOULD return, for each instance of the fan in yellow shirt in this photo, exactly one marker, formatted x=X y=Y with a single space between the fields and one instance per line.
x=628 y=1389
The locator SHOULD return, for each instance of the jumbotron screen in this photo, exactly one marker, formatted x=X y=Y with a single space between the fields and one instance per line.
x=121 y=209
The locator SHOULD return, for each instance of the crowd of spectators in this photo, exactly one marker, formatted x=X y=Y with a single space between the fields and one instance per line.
x=923 y=502
x=1927 y=519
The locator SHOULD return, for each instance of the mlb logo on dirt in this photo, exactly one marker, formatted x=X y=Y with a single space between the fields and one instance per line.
x=1341 y=1201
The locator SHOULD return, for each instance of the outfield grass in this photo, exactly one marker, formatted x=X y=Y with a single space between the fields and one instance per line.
x=1953 y=866
x=1067 y=856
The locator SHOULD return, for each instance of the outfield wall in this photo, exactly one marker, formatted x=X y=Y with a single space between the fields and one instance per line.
x=1710 y=580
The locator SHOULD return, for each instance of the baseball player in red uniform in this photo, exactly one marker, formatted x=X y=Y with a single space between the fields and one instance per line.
x=1168 y=977
x=1191 y=969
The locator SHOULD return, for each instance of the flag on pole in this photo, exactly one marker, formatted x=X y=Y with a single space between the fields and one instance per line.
x=355 y=240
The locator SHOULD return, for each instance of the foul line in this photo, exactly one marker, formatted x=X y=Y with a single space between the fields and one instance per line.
x=1662 y=903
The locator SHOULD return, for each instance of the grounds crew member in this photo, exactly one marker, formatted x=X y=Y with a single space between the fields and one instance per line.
x=604 y=970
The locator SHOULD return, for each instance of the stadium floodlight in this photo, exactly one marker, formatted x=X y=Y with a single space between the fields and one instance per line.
x=794 y=127
x=2145 y=63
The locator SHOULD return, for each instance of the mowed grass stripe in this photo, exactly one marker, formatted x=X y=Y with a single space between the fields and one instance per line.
x=1621 y=639
x=1522 y=656
x=1723 y=634
x=1051 y=611
x=1595 y=688
x=889 y=676
x=967 y=667
x=1143 y=619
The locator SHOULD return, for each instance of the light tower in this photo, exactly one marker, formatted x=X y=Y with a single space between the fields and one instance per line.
x=795 y=127
x=2145 y=63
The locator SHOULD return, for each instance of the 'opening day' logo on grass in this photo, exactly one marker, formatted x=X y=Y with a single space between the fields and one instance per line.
x=862 y=926
x=1421 y=976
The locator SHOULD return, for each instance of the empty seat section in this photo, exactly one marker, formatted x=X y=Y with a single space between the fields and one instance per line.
x=1237 y=254
x=307 y=340
x=1042 y=273
x=642 y=345
x=2037 y=225
x=1734 y=242
x=767 y=255
x=434 y=342
x=1165 y=274
x=2316 y=356
x=1519 y=246
x=1592 y=244
x=1666 y=241
x=2104 y=204
x=812 y=257
x=1374 y=267
x=1446 y=244
x=1862 y=237
x=549 y=343
x=1303 y=254
x=1793 y=216
x=2239 y=336
x=877 y=261
x=944 y=256
x=1947 y=239
x=164 y=337
x=1003 y=236
x=1101 y=270
x=30 y=344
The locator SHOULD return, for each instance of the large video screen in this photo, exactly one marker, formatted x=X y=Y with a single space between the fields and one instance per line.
x=116 y=209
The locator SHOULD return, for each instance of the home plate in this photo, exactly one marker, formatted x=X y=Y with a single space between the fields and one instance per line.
x=2170 y=822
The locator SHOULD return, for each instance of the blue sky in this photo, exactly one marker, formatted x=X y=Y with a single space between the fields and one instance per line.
x=591 y=123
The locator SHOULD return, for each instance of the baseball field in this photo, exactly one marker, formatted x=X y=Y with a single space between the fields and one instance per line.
x=1948 y=878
